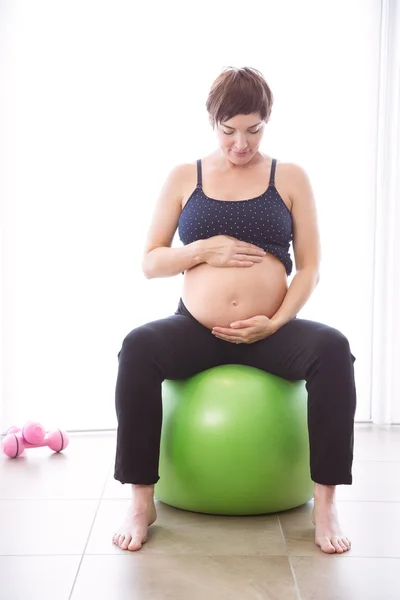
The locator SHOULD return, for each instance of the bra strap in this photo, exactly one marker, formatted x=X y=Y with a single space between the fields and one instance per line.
x=273 y=167
x=199 y=174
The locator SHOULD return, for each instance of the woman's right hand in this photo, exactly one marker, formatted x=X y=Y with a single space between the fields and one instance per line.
x=227 y=251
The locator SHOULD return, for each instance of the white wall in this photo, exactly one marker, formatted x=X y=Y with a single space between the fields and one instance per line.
x=103 y=99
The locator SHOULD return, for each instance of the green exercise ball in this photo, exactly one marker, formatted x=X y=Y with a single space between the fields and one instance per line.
x=234 y=442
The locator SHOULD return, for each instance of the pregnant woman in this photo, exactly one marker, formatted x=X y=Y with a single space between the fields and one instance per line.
x=237 y=211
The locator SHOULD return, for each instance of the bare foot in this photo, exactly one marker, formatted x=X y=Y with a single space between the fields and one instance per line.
x=328 y=535
x=141 y=514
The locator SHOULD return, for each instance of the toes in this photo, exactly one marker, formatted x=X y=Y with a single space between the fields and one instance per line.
x=126 y=539
x=327 y=546
x=135 y=544
x=337 y=545
x=332 y=545
x=126 y=542
x=346 y=543
x=122 y=540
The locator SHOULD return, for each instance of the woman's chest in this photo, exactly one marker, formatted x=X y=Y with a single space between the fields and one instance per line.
x=265 y=218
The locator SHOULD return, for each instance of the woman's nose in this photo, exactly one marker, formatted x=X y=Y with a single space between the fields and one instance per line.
x=241 y=142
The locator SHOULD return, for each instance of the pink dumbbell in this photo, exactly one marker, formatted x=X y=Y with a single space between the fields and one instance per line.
x=13 y=445
x=32 y=433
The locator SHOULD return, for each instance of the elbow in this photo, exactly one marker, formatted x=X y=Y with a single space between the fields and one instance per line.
x=147 y=273
x=146 y=267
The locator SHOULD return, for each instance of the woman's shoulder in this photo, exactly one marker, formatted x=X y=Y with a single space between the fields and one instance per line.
x=290 y=167
x=181 y=178
x=295 y=173
x=181 y=172
x=182 y=169
x=292 y=174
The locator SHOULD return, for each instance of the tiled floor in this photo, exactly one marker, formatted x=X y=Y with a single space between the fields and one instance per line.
x=58 y=512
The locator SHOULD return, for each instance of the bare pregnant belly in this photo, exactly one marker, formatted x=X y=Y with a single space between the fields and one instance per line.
x=217 y=296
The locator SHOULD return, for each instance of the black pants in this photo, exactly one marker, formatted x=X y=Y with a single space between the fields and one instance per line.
x=179 y=346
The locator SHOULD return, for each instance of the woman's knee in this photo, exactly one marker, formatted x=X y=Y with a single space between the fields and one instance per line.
x=138 y=341
x=332 y=342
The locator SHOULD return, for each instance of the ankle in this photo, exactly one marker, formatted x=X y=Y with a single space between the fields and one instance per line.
x=324 y=493
x=142 y=491
x=142 y=498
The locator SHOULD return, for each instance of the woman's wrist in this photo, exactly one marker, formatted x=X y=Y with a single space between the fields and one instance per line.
x=278 y=322
x=198 y=252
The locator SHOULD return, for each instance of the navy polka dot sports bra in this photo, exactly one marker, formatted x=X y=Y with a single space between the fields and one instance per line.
x=264 y=221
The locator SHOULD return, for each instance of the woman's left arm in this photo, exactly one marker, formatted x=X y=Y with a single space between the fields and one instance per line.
x=306 y=247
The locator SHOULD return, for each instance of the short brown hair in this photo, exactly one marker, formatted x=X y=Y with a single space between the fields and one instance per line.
x=239 y=92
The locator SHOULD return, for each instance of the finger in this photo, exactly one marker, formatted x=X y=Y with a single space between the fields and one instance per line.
x=242 y=256
x=244 y=249
x=224 y=331
x=244 y=323
x=240 y=263
x=229 y=338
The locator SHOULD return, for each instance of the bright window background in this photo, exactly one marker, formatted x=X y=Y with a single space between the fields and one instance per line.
x=102 y=100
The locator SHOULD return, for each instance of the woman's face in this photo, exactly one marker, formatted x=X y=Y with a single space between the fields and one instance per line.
x=240 y=137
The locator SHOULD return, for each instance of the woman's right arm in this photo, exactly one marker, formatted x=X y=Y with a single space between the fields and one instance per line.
x=160 y=260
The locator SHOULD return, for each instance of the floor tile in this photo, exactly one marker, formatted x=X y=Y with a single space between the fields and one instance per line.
x=170 y=577
x=182 y=532
x=331 y=578
x=372 y=481
x=80 y=471
x=377 y=442
x=48 y=504
x=45 y=526
x=37 y=577
x=372 y=527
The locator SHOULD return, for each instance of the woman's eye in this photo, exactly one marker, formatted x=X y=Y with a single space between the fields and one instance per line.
x=232 y=132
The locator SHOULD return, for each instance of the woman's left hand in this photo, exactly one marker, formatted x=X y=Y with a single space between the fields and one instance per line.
x=247 y=331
